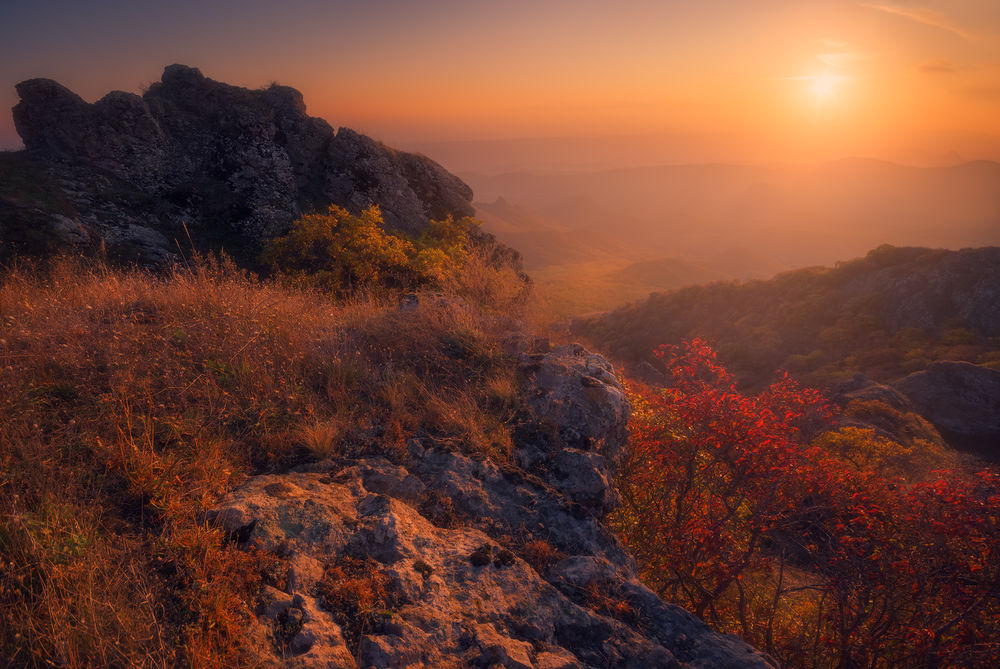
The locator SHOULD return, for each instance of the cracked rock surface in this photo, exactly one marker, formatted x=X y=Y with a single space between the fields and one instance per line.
x=225 y=165
x=466 y=590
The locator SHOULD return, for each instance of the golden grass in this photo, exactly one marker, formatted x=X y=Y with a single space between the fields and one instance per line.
x=130 y=403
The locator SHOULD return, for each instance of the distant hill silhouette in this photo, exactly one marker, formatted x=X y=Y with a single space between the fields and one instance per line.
x=784 y=215
x=886 y=314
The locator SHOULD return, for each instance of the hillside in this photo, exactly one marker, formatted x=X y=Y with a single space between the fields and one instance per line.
x=366 y=460
x=387 y=482
x=885 y=315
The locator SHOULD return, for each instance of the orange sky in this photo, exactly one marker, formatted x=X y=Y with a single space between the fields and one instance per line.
x=760 y=80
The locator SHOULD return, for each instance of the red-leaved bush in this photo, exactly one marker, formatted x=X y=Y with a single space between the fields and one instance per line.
x=816 y=560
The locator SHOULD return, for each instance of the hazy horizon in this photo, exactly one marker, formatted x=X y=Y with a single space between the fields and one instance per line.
x=634 y=146
x=720 y=81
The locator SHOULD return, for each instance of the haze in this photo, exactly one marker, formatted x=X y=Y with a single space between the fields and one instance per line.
x=585 y=88
x=736 y=75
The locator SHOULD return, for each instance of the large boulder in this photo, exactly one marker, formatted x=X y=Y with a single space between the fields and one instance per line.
x=458 y=593
x=576 y=438
x=233 y=165
x=960 y=399
x=872 y=405
x=483 y=563
x=580 y=394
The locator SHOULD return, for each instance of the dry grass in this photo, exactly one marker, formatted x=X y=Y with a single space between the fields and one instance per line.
x=130 y=403
x=358 y=596
x=541 y=555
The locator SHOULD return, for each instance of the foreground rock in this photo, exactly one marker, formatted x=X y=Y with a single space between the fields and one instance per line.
x=960 y=399
x=475 y=563
x=232 y=165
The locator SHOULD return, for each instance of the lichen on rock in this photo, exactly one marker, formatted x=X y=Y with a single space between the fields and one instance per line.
x=467 y=594
x=233 y=165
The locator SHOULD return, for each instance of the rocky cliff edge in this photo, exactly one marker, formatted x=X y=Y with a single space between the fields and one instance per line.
x=470 y=562
x=231 y=164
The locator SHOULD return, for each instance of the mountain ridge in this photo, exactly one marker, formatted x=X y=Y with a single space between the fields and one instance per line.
x=892 y=313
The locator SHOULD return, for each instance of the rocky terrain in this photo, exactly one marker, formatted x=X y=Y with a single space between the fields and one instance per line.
x=437 y=557
x=961 y=400
x=194 y=160
x=483 y=564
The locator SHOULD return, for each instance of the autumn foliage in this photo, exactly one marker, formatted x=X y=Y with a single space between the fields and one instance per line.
x=734 y=510
x=340 y=253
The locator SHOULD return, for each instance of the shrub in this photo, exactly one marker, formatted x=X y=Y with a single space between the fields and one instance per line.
x=819 y=561
x=339 y=252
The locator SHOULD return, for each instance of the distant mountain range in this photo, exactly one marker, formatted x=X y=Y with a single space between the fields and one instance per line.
x=784 y=216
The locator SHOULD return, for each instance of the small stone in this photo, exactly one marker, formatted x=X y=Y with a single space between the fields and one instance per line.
x=482 y=556
x=503 y=558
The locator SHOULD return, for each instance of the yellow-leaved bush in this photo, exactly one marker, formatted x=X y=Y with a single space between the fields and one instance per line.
x=339 y=252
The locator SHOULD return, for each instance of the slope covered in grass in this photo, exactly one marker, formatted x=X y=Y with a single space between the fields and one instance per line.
x=129 y=403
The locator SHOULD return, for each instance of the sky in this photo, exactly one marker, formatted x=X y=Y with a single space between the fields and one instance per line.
x=730 y=80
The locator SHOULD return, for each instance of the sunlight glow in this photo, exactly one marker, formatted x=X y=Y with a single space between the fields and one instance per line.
x=824 y=85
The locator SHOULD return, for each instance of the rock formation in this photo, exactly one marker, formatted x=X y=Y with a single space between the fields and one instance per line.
x=960 y=399
x=886 y=410
x=233 y=165
x=455 y=540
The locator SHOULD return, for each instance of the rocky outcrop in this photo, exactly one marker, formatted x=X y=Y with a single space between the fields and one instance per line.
x=232 y=165
x=932 y=289
x=579 y=398
x=862 y=388
x=476 y=563
x=871 y=405
x=960 y=399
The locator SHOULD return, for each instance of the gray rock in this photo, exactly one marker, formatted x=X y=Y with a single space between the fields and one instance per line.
x=579 y=393
x=497 y=612
x=583 y=477
x=69 y=231
x=461 y=594
x=228 y=162
x=864 y=389
x=960 y=399
x=313 y=639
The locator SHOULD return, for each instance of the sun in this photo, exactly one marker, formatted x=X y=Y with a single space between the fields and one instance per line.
x=824 y=85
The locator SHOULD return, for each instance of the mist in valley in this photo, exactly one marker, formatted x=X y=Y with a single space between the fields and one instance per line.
x=627 y=231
